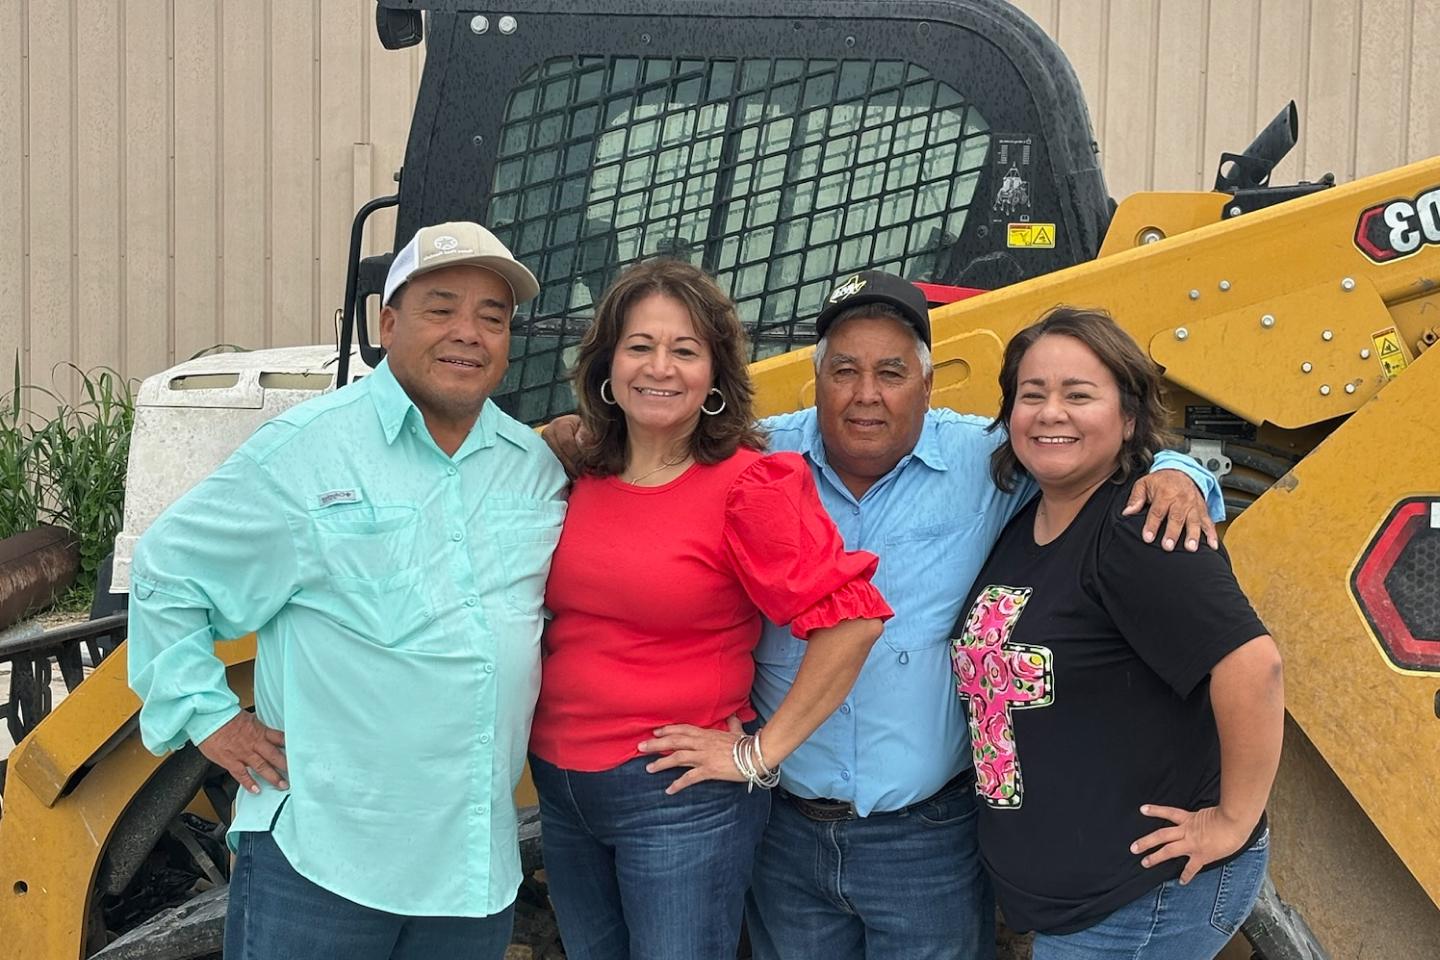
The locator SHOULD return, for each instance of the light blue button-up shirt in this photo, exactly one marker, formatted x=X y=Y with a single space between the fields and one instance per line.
x=902 y=732
x=396 y=596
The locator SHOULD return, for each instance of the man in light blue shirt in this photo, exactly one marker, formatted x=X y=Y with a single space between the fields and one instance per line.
x=871 y=849
x=388 y=543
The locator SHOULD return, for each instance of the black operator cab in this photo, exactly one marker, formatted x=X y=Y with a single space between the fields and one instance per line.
x=780 y=145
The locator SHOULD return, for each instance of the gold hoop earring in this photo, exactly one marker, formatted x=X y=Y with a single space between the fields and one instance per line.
x=610 y=399
x=711 y=413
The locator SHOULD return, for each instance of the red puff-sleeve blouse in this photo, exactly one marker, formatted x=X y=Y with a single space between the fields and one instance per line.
x=657 y=595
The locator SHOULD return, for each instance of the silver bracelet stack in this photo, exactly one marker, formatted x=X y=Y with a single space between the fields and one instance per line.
x=750 y=761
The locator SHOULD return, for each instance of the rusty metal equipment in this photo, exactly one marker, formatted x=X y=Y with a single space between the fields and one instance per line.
x=35 y=567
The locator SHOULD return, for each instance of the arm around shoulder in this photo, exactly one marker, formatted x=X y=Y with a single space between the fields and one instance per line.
x=1188 y=510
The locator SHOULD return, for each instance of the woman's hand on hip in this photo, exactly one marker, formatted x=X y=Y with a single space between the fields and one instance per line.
x=1203 y=836
x=708 y=753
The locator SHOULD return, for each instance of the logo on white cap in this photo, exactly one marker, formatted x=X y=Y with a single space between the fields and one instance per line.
x=446 y=243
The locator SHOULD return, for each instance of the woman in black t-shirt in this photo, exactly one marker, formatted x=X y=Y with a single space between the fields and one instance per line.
x=1125 y=703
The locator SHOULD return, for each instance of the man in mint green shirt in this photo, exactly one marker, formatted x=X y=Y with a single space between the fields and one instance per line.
x=388 y=543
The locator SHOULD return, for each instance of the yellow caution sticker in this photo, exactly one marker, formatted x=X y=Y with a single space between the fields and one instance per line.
x=1390 y=351
x=1030 y=235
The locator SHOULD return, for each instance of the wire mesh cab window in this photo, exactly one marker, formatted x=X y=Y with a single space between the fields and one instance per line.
x=775 y=175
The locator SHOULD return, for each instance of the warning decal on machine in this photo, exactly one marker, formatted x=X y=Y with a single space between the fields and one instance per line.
x=1390 y=351
x=1030 y=235
x=1010 y=178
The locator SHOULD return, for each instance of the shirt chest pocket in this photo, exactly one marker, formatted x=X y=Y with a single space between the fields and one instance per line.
x=369 y=558
x=524 y=533
x=920 y=572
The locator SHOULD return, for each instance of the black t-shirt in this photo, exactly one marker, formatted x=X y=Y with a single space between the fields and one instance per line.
x=1101 y=645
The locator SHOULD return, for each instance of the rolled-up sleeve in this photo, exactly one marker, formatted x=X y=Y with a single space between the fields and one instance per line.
x=1204 y=479
x=219 y=563
x=788 y=555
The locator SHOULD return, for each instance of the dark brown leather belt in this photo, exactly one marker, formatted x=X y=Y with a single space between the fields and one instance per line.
x=820 y=810
x=826 y=810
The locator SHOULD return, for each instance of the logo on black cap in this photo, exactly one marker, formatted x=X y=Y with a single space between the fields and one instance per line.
x=878 y=287
x=847 y=288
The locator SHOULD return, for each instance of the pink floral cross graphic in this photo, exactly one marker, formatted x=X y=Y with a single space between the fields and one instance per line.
x=996 y=677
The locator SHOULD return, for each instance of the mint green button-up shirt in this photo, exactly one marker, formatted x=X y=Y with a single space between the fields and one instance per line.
x=396 y=595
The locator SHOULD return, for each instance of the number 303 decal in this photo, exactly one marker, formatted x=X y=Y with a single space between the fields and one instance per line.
x=1397 y=228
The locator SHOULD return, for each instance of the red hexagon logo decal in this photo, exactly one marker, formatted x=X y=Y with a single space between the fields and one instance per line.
x=1398 y=228
x=1397 y=584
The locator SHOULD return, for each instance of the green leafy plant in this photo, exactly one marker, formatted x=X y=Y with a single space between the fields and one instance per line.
x=84 y=451
x=20 y=493
x=68 y=470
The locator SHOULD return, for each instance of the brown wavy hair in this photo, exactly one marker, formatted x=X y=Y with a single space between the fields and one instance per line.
x=1134 y=372
x=717 y=437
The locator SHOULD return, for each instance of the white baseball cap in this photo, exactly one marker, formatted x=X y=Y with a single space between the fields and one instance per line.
x=447 y=244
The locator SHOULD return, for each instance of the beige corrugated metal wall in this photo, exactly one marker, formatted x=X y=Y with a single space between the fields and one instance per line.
x=181 y=173
x=1174 y=83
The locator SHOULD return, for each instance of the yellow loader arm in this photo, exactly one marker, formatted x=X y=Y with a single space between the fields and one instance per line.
x=68 y=785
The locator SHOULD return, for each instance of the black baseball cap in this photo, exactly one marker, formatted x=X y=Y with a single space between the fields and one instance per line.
x=876 y=286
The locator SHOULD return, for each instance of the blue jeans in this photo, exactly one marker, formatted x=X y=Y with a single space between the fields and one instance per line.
x=276 y=914
x=903 y=884
x=1171 y=922
x=638 y=875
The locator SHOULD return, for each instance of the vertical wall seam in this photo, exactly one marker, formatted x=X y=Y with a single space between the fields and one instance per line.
x=316 y=106
x=1407 y=80
x=1204 y=105
x=364 y=71
x=1353 y=159
x=1309 y=34
x=219 y=224
x=1152 y=70
x=269 y=178
x=25 y=292
x=170 y=184
x=1104 y=92
x=122 y=147
x=1255 y=66
x=74 y=331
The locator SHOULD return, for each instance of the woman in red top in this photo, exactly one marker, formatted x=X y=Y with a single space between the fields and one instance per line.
x=681 y=534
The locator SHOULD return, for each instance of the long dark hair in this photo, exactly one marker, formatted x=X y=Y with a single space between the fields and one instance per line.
x=1134 y=372
x=717 y=437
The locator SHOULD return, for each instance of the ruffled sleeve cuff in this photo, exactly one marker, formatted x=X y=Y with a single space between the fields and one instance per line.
x=856 y=600
x=787 y=554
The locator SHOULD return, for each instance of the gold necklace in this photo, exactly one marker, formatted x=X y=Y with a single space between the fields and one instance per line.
x=666 y=465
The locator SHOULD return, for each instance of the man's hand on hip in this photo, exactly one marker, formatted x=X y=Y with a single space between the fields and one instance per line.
x=244 y=746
